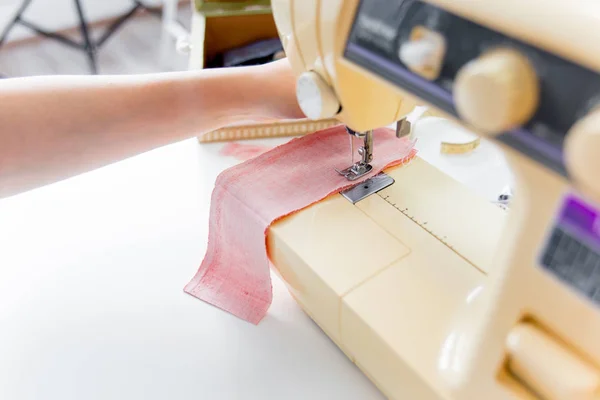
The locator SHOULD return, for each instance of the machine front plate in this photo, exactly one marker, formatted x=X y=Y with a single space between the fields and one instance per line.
x=368 y=187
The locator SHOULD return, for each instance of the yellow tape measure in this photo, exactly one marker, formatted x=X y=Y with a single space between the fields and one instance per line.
x=267 y=130
x=459 y=148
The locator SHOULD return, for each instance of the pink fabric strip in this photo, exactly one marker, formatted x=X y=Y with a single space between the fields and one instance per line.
x=249 y=197
x=243 y=151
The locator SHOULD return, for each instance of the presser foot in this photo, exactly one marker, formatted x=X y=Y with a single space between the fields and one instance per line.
x=355 y=171
x=362 y=167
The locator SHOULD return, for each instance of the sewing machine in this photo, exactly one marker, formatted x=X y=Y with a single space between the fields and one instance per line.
x=433 y=291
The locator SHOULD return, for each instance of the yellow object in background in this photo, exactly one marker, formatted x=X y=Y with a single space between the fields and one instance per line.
x=459 y=148
x=266 y=130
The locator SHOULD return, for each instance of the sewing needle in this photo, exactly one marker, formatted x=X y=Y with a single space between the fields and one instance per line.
x=351 y=148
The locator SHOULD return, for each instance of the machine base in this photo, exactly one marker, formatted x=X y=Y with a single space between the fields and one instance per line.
x=397 y=303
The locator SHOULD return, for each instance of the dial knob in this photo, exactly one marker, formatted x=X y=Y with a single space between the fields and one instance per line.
x=423 y=53
x=582 y=152
x=421 y=56
x=497 y=92
x=315 y=97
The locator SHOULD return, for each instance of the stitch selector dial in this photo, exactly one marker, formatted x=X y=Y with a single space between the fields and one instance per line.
x=497 y=91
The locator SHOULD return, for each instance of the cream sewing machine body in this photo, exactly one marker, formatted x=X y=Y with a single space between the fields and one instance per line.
x=433 y=291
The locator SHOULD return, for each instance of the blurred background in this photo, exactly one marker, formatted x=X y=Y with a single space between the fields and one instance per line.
x=134 y=47
x=45 y=37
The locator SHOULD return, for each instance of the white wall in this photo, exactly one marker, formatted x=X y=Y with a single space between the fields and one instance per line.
x=61 y=14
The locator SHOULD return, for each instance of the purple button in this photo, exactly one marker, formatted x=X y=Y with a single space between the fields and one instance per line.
x=581 y=218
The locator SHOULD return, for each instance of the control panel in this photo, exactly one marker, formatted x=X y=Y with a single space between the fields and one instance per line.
x=497 y=84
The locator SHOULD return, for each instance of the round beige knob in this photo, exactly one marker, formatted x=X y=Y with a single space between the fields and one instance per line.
x=582 y=152
x=497 y=92
x=315 y=97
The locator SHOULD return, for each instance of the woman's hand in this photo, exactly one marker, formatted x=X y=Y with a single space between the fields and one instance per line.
x=60 y=126
x=284 y=103
x=274 y=97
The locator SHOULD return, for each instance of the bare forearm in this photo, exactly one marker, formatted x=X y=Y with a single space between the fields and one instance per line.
x=53 y=128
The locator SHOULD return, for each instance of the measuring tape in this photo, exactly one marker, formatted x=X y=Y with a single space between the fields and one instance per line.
x=267 y=130
x=459 y=148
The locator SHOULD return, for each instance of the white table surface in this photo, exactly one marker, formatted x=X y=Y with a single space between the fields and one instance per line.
x=92 y=306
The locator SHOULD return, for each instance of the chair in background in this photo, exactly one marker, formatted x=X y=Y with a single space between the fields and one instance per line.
x=87 y=45
x=171 y=29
